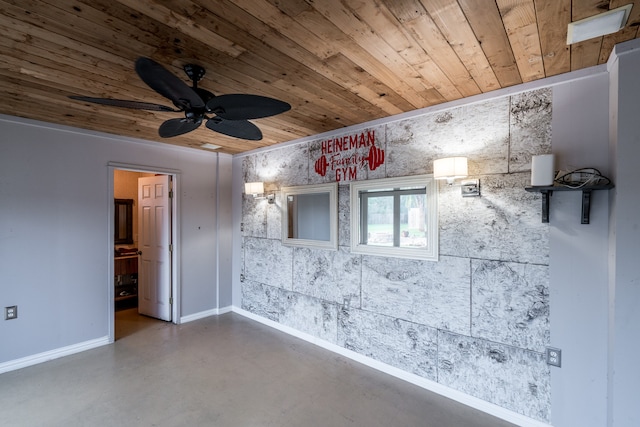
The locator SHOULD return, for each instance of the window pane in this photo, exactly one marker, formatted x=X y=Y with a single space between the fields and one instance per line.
x=380 y=221
x=395 y=217
x=413 y=221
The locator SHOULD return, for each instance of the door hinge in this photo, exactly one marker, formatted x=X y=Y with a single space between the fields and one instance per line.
x=171 y=247
x=171 y=301
x=171 y=194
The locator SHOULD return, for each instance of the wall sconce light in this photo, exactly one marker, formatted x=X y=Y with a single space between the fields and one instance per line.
x=256 y=189
x=451 y=168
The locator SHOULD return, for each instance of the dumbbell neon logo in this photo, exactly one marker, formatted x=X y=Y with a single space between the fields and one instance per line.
x=374 y=159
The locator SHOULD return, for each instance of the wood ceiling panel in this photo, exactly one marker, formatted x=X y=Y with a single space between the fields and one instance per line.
x=553 y=17
x=453 y=24
x=484 y=18
x=337 y=62
x=384 y=55
x=585 y=54
x=581 y=9
x=425 y=32
x=384 y=23
x=182 y=24
x=519 y=17
x=74 y=27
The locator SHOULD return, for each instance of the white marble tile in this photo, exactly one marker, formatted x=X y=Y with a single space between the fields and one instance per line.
x=344 y=215
x=435 y=294
x=261 y=299
x=310 y=315
x=287 y=166
x=530 y=127
x=490 y=312
x=405 y=345
x=328 y=275
x=274 y=218
x=510 y=303
x=414 y=144
x=509 y=377
x=268 y=261
x=249 y=171
x=504 y=223
x=254 y=217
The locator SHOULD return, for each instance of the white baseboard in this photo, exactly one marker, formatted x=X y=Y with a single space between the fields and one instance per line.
x=24 y=362
x=224 y=310
x=206 y=313
x=473 y=402
x=12 y=365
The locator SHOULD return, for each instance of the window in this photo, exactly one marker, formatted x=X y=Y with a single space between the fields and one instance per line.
x=395 y=217
x=310 y=216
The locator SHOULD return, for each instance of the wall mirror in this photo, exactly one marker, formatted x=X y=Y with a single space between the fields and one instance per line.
x=310 y=216
x=123 y=221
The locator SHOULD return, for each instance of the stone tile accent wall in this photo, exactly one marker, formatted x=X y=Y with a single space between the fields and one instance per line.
x=478 y=319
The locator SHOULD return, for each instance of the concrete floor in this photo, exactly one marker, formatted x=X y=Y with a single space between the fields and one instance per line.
x=220 y=371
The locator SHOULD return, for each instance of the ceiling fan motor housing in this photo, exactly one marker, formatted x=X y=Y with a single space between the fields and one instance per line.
x=195 y=72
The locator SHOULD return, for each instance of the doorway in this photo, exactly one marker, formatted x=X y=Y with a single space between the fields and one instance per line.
x=142 y=252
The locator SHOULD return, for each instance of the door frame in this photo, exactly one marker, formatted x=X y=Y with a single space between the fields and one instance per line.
x=175 y=238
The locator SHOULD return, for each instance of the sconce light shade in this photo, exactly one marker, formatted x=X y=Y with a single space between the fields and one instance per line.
x=254 y=188
x=450 y=168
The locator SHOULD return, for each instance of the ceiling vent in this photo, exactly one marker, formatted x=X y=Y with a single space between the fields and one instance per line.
x=598 y=25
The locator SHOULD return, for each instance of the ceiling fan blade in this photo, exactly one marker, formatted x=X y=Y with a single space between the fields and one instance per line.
x=242 y=129
x=175 y=127
x=125 y=103
x=243 y=106
x=168 y=85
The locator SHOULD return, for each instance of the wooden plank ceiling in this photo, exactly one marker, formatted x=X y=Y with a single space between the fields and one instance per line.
x=337 y=62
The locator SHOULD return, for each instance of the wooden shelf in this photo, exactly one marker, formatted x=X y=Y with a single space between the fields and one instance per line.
x=126 y=278
x=547 y=191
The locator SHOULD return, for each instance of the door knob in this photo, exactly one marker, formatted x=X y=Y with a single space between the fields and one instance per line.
x=139 y=252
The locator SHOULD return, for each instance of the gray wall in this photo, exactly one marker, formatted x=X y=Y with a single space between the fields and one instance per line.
x=476 y=321
x=624 y=279
x=225 y=232
x=578 y=261
x=54 y=219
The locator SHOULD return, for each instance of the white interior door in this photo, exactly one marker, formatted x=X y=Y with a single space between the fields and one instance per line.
x=154 y=265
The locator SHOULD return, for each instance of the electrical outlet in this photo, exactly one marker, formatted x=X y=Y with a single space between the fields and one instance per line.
x=11 y=312
x=554 y=356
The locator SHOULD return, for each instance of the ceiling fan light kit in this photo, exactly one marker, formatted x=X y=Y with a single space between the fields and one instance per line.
x=226 y=114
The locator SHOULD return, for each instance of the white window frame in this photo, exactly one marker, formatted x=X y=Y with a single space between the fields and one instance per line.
x=430 y=252
x=332 y=190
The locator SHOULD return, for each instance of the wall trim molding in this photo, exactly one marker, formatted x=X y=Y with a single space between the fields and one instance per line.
x=98 y=134
x=46 y=356
x=206 y=313
x=473 y=402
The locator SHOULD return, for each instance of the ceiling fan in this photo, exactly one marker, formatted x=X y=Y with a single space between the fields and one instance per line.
x=227 y=114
